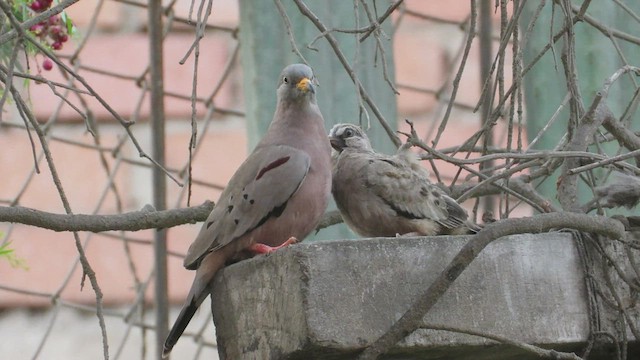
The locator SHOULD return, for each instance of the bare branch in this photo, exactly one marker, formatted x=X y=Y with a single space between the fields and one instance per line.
x=538 y=351
x=130 y=221
x=381 y=19
x=597 y=114
x=330 y=218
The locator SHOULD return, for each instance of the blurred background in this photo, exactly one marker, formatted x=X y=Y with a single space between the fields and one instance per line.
x=220 y=74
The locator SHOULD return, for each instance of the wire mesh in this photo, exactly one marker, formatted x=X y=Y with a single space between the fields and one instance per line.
x=76 y=139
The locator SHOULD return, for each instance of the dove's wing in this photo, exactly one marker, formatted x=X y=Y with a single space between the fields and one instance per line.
x=258 y=191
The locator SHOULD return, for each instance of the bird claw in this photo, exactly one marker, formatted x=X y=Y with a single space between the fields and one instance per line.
x=409 y=234
x=259 y=248
x=290 y=241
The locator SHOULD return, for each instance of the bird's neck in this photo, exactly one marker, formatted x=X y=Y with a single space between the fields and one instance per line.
x=302 y=121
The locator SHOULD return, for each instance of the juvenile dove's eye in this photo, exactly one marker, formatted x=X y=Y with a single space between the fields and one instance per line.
x=348 y=133
x=285 y=80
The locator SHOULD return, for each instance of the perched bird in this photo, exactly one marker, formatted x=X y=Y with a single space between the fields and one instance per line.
x=276 y=197
x=382 y=195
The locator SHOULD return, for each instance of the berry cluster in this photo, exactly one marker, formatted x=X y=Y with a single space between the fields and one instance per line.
x=40 y=5
x=53 y=30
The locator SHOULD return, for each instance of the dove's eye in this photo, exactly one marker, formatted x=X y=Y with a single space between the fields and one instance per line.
x=285 y=80
x=348 y=133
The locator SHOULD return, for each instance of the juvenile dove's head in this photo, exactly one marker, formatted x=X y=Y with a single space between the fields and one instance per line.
x=343 y=136
x=297 y=83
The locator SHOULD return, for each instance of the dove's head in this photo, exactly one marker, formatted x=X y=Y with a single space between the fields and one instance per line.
x=348 y=136
x=297 y=82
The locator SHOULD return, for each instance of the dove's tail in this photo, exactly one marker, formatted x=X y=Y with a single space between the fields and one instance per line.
x=199 y=291
x=187 y=312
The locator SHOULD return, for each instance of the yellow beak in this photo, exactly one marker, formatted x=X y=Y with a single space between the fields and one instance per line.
x=305 y=85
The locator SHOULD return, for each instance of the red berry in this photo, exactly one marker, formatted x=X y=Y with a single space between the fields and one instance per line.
x=56 y=45
x=38 y=30
x=64 y=38
x=36 y=6
x=47 y=64
x=54 y=30
x=53 y=20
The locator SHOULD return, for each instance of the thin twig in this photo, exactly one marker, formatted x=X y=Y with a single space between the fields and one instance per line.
x=536 y=350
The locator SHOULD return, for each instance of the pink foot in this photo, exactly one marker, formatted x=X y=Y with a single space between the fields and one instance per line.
x=266 y=249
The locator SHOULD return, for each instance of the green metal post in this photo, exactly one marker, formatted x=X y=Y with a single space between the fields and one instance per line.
x=266 y=50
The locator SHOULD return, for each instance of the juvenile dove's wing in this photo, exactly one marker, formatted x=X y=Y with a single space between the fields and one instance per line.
x=410 y=194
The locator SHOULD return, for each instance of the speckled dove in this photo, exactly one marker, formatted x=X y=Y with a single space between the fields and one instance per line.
x=276 y=197
x=382 y=195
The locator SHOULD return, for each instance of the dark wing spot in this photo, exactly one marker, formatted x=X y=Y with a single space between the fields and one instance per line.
x=390 y=162
x=401 y=212
x=275 y=212
x=278 y=210
x=424 y=191
x=236 y=221
x=251 y=201
x=436 y=194
x=245 y=196
x=209 y=224
x=370 y=161
x=368 y=184
x=230 y=208
x=272 y=166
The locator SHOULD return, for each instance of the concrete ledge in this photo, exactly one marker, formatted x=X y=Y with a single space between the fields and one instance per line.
x=325 y=300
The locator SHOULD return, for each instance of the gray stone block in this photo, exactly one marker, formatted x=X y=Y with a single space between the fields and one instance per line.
x=325 y=300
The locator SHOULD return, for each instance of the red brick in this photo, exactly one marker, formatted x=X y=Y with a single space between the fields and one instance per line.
x=456 y=10
x=84 y=180
x=128 y=55
x=79 y=170
x=113 y=14
x=110 y=16
x=223 y=13
x=419 y=62
x=471 y=84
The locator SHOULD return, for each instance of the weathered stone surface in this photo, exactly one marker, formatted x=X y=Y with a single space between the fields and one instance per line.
x=325 y=300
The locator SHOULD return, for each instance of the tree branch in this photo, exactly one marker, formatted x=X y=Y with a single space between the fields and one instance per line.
x=130 y=221
x=146 y=218
x=540 y=352
x=589 y=123
x=328 y=219
x=624 y=135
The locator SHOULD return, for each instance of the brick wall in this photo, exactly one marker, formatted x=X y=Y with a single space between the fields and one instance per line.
x=425 y=53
